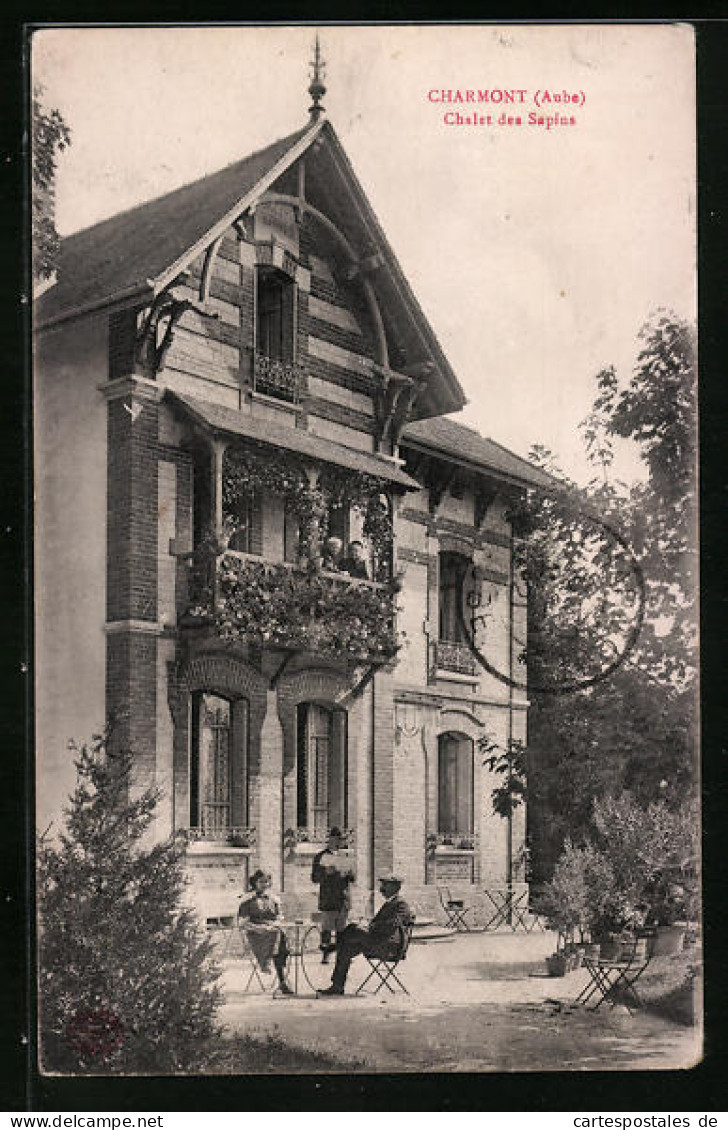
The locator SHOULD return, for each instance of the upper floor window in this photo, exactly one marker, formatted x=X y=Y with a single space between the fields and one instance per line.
x=275 y=314
x=455 y=581
x=453 y=574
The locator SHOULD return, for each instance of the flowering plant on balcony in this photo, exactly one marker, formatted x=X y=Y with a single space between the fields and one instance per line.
x=456 y=840
x=247 y=470
x=276 y=606
x=285 y=380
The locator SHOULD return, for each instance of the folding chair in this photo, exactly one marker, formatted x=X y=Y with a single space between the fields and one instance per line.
x=455 y=910
x=265 y=978
x=613 y=981
x=386 y=967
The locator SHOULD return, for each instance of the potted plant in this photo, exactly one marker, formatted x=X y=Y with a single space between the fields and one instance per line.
x=556 y=964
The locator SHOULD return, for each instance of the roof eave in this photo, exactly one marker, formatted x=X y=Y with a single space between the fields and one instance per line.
x=472 y=465
x=144 y=289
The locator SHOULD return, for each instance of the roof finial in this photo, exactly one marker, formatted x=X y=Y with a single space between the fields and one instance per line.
x=317 y=88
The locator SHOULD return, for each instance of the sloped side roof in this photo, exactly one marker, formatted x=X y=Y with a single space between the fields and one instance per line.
x=231 y=422
x=119 y=254
x=466 y=446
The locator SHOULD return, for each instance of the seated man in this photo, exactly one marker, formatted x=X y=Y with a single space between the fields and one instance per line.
x=382 y=938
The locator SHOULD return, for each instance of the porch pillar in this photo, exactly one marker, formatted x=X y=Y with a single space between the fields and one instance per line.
x=266 y=794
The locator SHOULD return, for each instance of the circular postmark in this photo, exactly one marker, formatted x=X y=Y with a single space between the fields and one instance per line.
x=586 y=609
x=94 y=1033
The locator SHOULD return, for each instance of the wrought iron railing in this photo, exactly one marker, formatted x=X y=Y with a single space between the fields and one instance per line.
x=316 y=835
x=234 y=835
x=284 y=380
x=454 y=656
x=456 y=840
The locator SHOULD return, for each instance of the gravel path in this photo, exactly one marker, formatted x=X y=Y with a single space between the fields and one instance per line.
x=481 y=1002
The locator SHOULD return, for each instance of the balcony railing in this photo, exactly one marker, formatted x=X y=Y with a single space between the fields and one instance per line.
x=283 y=380
x=275 y=604
x=454 y=656
x=234 y=836
x=316 y=835
x=453 y=841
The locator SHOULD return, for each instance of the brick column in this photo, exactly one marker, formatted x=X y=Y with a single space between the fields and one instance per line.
x=383 y=772
x=266 y=793
x=131 y=582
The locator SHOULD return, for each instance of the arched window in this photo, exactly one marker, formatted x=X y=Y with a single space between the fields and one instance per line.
x=218 y=764
x=321 y=768
x=455 y=765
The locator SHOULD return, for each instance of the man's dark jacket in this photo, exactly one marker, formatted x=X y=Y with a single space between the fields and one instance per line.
x=385 y=928
x=332 y=885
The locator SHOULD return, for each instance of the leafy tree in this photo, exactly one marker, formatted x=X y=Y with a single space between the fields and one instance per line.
x=50 y=136
x=125 y=977
x=611 y=570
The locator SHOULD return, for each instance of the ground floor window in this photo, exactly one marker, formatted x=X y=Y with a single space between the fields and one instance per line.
x=321 y=768
x=218 y=763
x=455 y=785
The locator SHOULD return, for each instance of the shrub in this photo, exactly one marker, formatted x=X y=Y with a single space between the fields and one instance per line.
x=126 y=983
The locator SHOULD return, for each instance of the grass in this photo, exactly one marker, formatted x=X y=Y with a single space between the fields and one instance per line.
x=271 y=1054
x=669 y=986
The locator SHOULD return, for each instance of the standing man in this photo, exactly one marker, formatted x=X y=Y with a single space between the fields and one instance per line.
x=329 y=870
x=382 y=938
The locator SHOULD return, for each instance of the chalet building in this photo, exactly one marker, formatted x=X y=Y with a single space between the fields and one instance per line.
x=226 y=378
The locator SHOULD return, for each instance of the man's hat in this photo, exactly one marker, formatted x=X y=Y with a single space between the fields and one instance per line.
x=390 y=878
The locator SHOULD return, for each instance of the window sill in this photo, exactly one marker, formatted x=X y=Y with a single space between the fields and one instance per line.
x=216 y=847
x=456 y=677
x=276 y=401
x=452 y=849
x=308 y=848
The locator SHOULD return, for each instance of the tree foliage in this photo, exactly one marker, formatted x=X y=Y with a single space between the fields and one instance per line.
x=126 y=983
x=611 y=570
x=49 y=136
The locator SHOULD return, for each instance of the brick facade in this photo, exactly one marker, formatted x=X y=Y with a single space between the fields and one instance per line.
x=154 y=666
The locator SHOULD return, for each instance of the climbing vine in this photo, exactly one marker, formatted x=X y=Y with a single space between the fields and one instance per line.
x=247 y=471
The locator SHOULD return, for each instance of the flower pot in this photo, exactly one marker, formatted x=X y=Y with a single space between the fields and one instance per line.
x=556 y=965
x=592 y=951
x=610 y=951
x=668 y=940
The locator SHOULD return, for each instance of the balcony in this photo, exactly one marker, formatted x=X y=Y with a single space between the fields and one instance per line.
x=281 y=380
x=454 y=656
x=277 y=605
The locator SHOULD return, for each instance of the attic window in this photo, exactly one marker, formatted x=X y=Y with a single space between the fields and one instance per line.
x=276 y=373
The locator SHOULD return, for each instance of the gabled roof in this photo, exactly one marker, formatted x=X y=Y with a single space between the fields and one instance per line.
x=463 y=445
x=138 y=252
x=130 y=251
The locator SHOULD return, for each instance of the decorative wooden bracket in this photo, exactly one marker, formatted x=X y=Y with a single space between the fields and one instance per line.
x=439 y=485
x=150 y=350
x=364 y=266
x=485 y=494
x=403 y=410
x=393 y=404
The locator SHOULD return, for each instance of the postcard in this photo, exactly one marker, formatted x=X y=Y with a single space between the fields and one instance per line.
x=366 y=549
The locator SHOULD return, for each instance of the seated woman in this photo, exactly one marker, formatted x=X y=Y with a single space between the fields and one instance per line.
x=262 y=914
